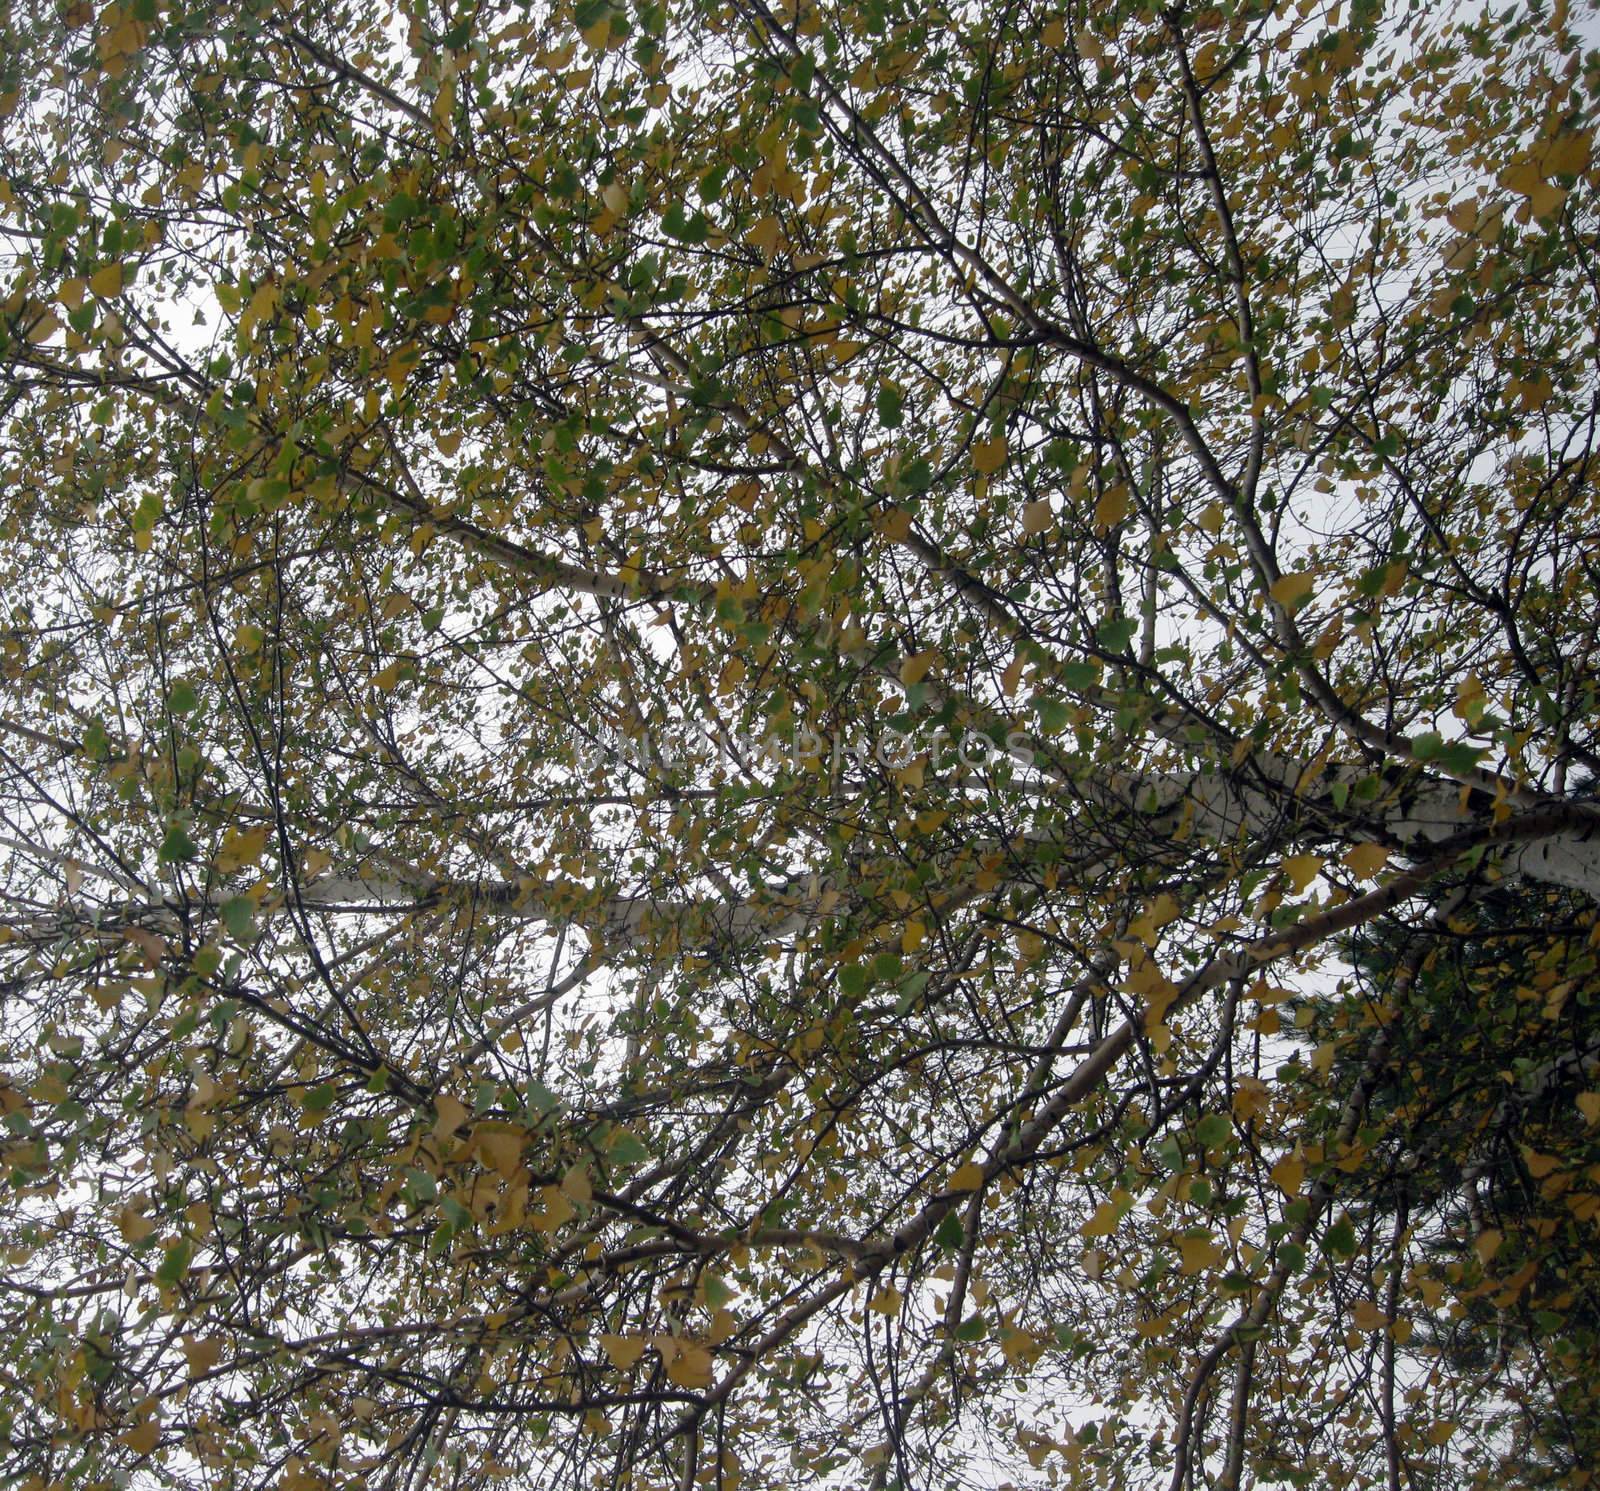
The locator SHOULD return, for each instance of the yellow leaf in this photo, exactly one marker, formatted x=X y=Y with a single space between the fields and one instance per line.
x=72 y=292
x=1288 y=1175
x=143 y=1437
x=887 y=1301
x=623 y=1351
x=1526 y=180
x=732 y=673
x=1293 y=590
x=1211 y=518
x=1366 y=860
x=576 y=1184
x=555 y=1210
x=1198 y=1252
x=1104 y=1221
x=106 y=281
x=202 y=1355
x=1589 y=1106
x=1440 y=1433
x=1487 y=1243
x=1020 y=1347
x=914 y=935
x=691 y=1368
x=1249 y=1097
x=1367 y=1316
x=49 y=1089
x=990 y=455
x=1054 y=33
x=1302 y=869
x=241 y=847
x=1539 y=1165
x=1112 y=507
x=501 y=1147
x=915 y=668
x=765 y=236
x=1160 y=913
x=1037 y=516
x=262 y=303
x=967 y=1177
x=153 y=948
x=1533 y=393
x=895 y=524
x=134 y=1225
x=1567 y=154
x=451 y=1115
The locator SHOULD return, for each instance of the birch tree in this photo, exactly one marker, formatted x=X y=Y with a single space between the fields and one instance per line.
x=834 y=744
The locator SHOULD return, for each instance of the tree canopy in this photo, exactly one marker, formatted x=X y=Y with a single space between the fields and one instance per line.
x=789 y=745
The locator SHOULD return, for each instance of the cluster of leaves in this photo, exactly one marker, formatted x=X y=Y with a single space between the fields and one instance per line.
x=1475 y=1181
x=417 y=415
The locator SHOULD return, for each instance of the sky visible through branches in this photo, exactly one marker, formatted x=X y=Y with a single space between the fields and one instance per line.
x=1109 y=998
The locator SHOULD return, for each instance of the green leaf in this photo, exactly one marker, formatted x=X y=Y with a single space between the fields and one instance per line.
x=949 y=1233
x=910 y=988
x=175 y=1262
x=1340 y=1239
x=684 y=228
x=319 y=1098
x=1054 y=715
x=853 y=980
x=177 y=846
x=239 y=917
x=1428 y=745
x=625 y=1149
x=1460 y=758
x=1116 y=632
x=891 y=406
x=710 y=187
x=916 y=476
x=540 y=1098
